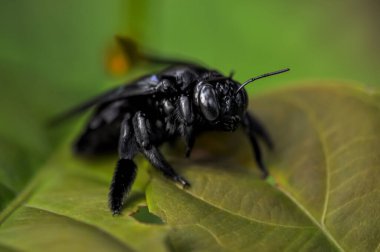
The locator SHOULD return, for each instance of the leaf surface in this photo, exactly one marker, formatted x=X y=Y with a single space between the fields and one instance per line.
x=65 y=208
x=324 y=193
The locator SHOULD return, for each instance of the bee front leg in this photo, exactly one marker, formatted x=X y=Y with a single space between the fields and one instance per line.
x=189 y=139
x=187 y=119
x=252 y=128
x=126 y=169
x=259 y=129
x=151 y=152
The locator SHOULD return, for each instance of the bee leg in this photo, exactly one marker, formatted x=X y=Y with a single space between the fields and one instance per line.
x=258 y=128
x=151 y=152
x=250 y=129
x=187 y=118
x=126 y=169
x=190 y=140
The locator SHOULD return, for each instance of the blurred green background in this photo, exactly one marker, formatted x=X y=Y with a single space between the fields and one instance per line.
x=54 y=54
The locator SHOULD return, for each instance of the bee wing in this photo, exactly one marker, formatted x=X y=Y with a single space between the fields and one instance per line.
x=139 y=88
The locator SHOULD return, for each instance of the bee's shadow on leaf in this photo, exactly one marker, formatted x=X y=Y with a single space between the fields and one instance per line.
x=215 y=150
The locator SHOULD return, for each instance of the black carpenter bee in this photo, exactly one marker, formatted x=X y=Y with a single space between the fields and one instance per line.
x=180 y=101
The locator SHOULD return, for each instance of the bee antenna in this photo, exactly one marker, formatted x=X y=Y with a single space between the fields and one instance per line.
x=259 y=77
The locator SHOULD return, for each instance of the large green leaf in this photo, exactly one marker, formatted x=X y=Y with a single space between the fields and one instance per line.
x=323 y=194
x=65 y=209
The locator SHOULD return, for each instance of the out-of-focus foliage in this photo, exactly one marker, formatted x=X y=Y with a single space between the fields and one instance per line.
x=54 y=55
x=316 y=39
x=51 y=57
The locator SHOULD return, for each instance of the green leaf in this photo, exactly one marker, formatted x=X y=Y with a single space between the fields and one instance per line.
x=325 y=167
x=323 y=195
x=65 y=209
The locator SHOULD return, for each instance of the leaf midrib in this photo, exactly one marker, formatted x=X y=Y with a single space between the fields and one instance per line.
x=22 y=197
x=219 y=208
x=313 y=122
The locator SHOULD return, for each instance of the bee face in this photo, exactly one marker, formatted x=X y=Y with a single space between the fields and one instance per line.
x=220 y=104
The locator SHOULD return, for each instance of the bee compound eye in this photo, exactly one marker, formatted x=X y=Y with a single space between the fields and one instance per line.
x=208 y=102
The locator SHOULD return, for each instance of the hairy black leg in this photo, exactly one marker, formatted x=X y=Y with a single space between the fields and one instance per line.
x=258 y=156
x=187 y=119
x=258 y=128
x=158 y=161
x=250 y=130
x=151 y=152
x=126 y=169
x=122 y=181
x=142 y=130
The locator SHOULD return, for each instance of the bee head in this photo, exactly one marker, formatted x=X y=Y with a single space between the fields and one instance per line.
x=223 y=101
x=220 y=104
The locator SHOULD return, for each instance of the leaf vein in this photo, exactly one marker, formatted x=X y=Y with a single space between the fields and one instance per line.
x=322 y=228
x=313 y=122
x=356 y=140
x=360 y=197
x=81 y=222
x=212 y=234
x=354 y=176
x=220 y=208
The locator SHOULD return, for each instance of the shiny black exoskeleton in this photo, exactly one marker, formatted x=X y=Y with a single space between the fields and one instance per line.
x=181 y=101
